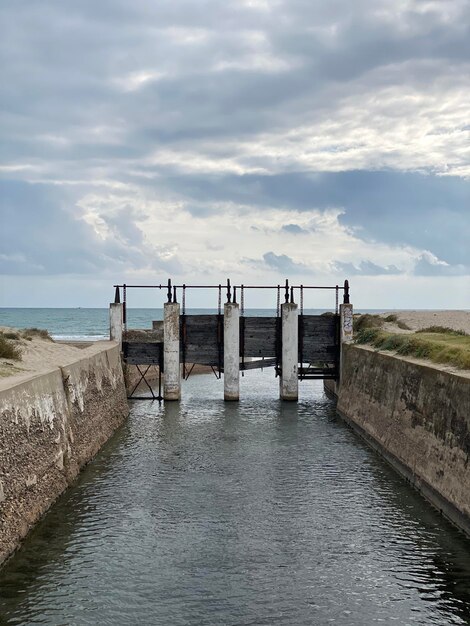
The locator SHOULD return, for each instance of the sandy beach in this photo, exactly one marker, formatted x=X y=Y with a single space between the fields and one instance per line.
x=417 y=320
x=36 y=355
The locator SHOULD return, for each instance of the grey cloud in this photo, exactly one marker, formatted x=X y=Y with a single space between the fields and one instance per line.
x=283 y=263
x=294 y=229
x=123 y=226
x=365 y=268
x=75 y=52
x=424 y=267
x=41 y=234
x=64 y=109
x=425 y=211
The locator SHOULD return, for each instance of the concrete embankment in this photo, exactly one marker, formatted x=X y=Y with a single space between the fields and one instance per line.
x=51 y=424
x=418 y=417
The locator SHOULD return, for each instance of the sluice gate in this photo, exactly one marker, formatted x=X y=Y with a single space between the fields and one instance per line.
x=298 y=345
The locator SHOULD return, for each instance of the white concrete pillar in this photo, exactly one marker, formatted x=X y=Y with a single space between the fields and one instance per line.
x=345 y=334
x=116 y=317
x=289 y=383
x=346 y=322
x=231 y=351
x=171 y=351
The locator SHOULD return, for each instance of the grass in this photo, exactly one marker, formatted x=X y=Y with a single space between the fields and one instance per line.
x=443 y=330
x=29 y=333
x=451 y=348
x=9 y=350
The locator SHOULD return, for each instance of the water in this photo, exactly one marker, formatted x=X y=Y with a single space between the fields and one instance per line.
x=93 y=324
x=252 y=513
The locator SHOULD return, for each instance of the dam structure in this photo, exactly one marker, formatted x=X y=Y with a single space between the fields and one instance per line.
x=299 y=346
x=246 y=497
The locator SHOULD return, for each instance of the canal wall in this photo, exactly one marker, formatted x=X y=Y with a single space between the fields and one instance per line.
x=417 y=416
x=51 y=424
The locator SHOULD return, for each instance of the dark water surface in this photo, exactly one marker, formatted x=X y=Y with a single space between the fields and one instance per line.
x=258 y=513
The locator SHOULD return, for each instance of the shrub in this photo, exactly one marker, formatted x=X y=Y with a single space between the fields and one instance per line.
x=28 y=333
x=9 y=350
x=393 y=319
x=403 y=325
x=11 y=335
x=367 y=321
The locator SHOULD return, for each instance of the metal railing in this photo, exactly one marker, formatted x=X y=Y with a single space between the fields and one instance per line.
x=231 y=293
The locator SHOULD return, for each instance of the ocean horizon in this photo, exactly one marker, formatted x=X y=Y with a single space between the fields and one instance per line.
x=92 y=324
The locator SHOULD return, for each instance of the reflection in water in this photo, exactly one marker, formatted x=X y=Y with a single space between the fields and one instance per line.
x=252 y=513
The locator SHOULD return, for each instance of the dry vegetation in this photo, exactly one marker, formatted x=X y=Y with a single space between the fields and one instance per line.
x=436 y=343
x=12 y=342
x=29 y=333
x=9 y=349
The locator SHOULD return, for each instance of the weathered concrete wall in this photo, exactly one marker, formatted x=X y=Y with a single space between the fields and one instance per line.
x=51 y=424
x=418 y=417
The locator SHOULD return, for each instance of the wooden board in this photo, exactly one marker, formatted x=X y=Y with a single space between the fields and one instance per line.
x=318 y=338
x=202 y=339
x=258 y=336
x=142 y=353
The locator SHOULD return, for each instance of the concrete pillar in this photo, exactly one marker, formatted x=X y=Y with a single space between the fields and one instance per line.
x=116 y=310
x=231 y=351
x=289 y=383
x=346 y=322
x=171 y=351
x=345 y=333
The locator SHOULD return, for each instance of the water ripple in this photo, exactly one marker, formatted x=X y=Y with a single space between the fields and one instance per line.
x=257 y=513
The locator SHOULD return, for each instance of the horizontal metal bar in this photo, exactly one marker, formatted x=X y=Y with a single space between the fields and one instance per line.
x=319 y=377
x=159 y=398
x=218 y=286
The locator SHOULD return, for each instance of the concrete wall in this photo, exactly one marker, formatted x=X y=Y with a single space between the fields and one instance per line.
x=51 y=425
x=418 y=417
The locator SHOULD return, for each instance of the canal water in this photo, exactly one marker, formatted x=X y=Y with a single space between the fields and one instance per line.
x=255 y=513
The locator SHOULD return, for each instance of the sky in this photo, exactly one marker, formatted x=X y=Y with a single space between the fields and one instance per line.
x=255 y=140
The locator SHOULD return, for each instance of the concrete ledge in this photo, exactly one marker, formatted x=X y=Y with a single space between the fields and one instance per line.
x=51 y=424
x=417 y=416
x=446 y=508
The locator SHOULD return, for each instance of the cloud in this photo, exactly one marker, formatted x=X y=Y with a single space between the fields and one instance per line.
x=365 y=268
x=294 y=229
x=303 y=87
x=424 y=211
x=156 y=137
x=428 y=265
x=283 y=264
x=43 y=232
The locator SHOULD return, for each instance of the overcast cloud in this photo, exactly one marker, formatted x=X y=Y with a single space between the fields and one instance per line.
x=253 y=139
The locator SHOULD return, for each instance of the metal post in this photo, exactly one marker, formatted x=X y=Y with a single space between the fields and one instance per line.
x=289 y=382
x=171 y=351
x=231 y=351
